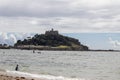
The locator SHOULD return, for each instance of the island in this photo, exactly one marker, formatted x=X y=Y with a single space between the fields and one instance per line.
x=51 y=40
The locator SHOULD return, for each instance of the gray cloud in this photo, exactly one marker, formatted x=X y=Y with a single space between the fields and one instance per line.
x=65 y=15
x=36 y=8
x=54 y=8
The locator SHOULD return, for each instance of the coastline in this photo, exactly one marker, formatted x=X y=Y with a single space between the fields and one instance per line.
x=16 y=75
x=9 y=76
x=43 y=49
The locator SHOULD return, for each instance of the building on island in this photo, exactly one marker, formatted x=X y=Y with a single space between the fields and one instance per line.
x=52 y=32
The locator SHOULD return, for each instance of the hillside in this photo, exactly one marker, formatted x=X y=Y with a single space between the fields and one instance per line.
x=51 y=40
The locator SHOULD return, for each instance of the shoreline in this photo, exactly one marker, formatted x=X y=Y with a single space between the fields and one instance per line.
x=14 y=76
x=17 y=75
x=64 y=50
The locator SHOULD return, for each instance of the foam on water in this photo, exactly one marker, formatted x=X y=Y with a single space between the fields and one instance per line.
x=45 y=77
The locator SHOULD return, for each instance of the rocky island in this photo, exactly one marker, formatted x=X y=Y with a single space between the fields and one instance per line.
x=51 y=40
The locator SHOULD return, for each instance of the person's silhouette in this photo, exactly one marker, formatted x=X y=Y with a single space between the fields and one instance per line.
x=16 y=68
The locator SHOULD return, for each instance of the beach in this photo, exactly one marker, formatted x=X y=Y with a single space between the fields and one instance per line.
x=8 y=76
x=14 y=75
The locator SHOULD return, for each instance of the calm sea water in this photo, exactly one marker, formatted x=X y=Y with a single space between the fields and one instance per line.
x=73 y=64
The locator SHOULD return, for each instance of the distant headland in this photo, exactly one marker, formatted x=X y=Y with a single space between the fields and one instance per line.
x=51 y=40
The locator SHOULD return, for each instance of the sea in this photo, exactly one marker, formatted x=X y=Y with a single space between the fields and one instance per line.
x=62 y=65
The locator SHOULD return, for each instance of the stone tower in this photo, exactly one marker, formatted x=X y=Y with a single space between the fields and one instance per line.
x=51 y=32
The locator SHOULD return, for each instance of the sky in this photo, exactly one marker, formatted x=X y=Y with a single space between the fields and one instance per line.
x=104 y=41
x=67 y=16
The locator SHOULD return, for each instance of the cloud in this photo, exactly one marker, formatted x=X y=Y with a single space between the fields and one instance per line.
x=67 y=16
x=115 y=43
x=36 y=8
x=63 y=24
x=11 y=38
x=55 y=8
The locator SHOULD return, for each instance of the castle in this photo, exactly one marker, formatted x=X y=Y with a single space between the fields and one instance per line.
x=51 y=32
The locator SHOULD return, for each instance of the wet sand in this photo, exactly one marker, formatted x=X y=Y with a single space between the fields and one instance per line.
x=7 y=76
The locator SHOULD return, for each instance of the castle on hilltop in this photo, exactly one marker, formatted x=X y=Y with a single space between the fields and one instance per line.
x=51 y=32
x=51 y=40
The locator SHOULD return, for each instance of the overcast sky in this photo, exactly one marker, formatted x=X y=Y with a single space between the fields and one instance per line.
x=67 y=16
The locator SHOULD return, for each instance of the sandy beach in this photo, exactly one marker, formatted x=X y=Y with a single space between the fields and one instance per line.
x=8 y=76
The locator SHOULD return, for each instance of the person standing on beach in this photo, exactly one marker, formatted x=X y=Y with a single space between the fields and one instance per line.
x=16 y=68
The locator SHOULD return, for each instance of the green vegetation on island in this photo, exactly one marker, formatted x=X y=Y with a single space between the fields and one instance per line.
x=51 y=40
